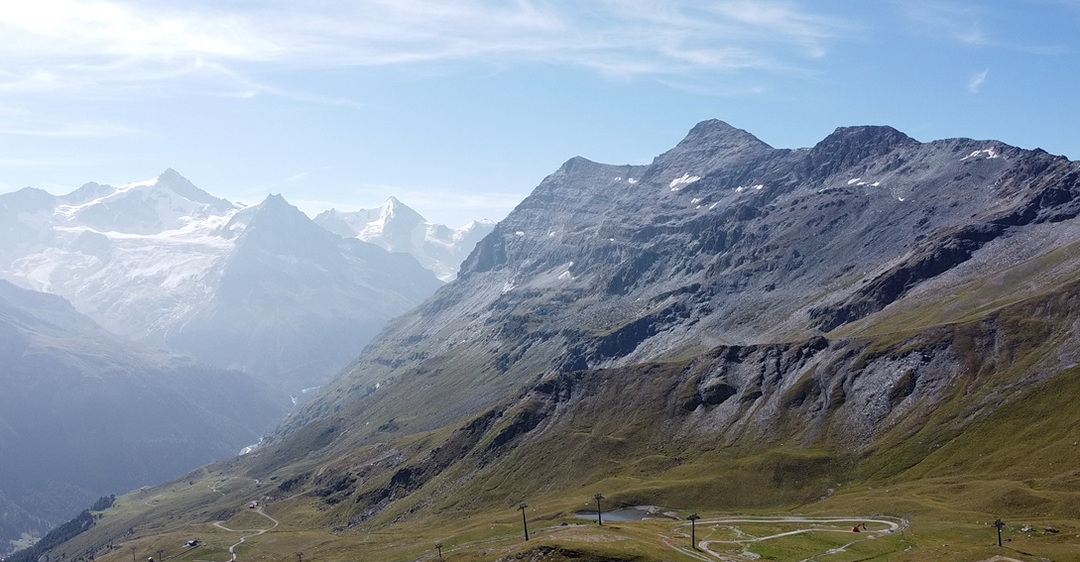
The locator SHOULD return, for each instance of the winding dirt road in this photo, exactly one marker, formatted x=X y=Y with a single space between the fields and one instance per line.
x=814 y=525
x=252 y=532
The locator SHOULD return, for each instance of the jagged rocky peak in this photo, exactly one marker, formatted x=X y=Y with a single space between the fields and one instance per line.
x=171 y=179
x=577 y=170
x=709 y=146
x=370 y=223
x=578 y=164
x=394 y=208
x=276 y=227
x=28 y=200
x=396 y=227
x=275 y=202
x=714 y=132
x=278 y=218
x=273 y=224
x=88 y=192
x=471 y=229
x=847 y=146
x=166 y=202
x=871 y=139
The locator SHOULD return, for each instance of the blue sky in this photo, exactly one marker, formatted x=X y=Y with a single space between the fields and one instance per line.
x=460 y=107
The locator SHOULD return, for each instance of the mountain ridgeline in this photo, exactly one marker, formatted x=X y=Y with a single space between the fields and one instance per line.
x=721 y=241
x=767 y=325
x=258 y=288
x=817 y=297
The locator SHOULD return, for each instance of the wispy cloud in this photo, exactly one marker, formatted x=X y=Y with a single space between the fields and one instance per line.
x=813 y=32
x=94 y=130
x=957 y=22
x=38 y=162
x=977 y=80
x=71 y=46
x=981 y=26
x=89 y=28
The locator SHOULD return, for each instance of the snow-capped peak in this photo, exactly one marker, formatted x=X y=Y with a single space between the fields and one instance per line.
x=134 y=257
x=396 y=227
x=167 y=202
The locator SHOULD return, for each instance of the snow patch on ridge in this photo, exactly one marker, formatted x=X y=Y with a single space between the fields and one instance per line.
x=989 y=153
x=566 y=275
x=681 y=182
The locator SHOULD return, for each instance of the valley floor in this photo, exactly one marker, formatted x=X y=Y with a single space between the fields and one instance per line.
x=284 y=533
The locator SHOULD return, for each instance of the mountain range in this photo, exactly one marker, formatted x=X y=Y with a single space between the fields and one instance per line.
x=395 y=227
x=873 y=325
x=259 y=288
x=721 y=241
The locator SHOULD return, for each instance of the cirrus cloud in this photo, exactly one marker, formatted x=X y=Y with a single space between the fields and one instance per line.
x=977 y=81
x=83 y=46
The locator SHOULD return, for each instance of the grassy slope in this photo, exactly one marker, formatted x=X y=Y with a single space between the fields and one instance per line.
x=1026 y=474
x=1002 y=441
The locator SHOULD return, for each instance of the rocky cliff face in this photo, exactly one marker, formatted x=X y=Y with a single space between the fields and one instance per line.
x=721 y=241
x=788 y=318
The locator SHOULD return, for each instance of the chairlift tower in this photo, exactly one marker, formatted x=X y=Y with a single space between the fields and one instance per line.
x=524 y=522
x=693 y=535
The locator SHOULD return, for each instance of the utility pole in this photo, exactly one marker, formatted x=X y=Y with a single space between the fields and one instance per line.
x=438 y=545
x=133 y=554
x=999 y=524
x=299 y=556
x=599 y=518
x=693 y=535
x=524 y=522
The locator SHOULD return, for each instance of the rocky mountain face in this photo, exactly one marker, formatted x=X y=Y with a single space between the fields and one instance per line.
x=397 y=228
x=295 y=300
x=261 y=289
x=84 y=413
x=801 y=294
x=722 y=240
x=769 y=325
